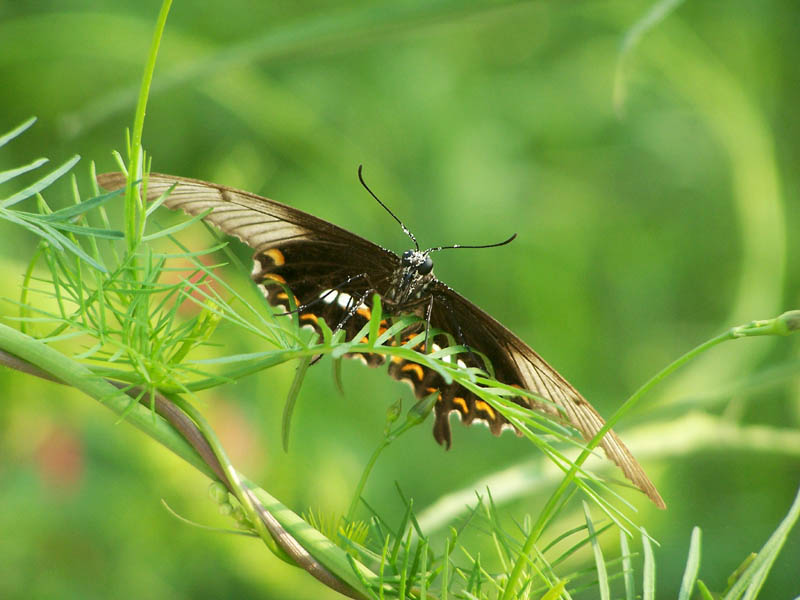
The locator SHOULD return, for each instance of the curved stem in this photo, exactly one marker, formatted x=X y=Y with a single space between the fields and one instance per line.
x=362 y=482
x=785 y=324
x=182 y=429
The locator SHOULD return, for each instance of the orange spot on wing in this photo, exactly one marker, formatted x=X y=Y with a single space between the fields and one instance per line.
x=482 y=406
x=309 y=317
x=462 y=403
x=276 y=256
x=274 y=277
x=365 y=312
x=430 y=390
x=414 y=367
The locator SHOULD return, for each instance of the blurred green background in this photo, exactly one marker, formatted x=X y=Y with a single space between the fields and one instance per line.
x=654 y=192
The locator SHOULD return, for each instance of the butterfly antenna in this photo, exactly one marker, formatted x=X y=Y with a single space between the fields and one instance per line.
x=371 y=193
x=503 y=243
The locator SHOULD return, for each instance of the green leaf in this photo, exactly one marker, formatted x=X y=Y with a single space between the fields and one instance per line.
x=375 y=319
x=80 y=208
x=155 y=204
x=38 y=186
x=337 y=374
x=692 y=566
x=11 y=173
x=755 y=573
x=705 y=593
x=556 y=592
x=175 y=228
x=627 y=567
x=7 y=137
x=599 y=561
x=648 y=569
x=110 y=234
x=291 y=399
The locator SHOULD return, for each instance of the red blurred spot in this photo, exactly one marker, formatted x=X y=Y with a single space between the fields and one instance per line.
x=199 y=291
x=60 y=460
x=239 y=435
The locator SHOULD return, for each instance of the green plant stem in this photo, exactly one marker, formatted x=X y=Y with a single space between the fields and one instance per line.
x=784 y=324
x=416 y=415
x=230 y=473
x=75 y=374
x=351 y=511
x=72 y=373
x=134 y=220
x=24 y=308
x=291 y=399
x=135 y=213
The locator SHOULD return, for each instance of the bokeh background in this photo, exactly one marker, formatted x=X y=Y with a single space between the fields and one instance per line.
x=651 y=175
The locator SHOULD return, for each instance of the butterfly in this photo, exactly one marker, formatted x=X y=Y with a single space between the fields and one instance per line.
x=333 y=274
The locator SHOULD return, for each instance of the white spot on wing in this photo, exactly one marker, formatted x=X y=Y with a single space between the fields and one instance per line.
x=344 y=300
x=328 y=296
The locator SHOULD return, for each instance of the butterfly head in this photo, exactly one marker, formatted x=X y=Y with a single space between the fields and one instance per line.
x=416 y=261
x=412 y=277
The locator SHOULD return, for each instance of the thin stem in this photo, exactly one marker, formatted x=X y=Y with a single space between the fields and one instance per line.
x=230 y=473
x=416 y=415
x=351 y=512
x=133 y=200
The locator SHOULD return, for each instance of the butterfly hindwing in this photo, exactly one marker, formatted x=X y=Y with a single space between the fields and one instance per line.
x=516 y=363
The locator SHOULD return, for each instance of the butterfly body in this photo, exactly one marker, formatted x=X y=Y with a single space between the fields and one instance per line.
x=333 y=275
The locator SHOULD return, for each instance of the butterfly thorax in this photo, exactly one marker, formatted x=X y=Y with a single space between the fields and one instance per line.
x=411 y=279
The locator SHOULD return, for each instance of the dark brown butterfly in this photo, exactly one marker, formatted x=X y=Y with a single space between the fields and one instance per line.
x=333 y=274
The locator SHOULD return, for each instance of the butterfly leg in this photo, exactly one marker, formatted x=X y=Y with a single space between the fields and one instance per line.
x=334 y=290
x=427 y=325
x=352 y=306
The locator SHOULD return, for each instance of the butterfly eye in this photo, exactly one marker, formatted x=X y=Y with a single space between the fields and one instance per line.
x=426 y=266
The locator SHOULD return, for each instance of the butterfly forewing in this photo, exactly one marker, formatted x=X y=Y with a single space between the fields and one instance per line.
x=333 y=273
x=306 y=253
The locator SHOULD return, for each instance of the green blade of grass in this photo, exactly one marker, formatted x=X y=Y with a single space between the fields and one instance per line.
x=11 y=173
x=80 y=208
x=19 y=129
x=751 y=581
x=648 y=569
x=692 y=565
x=627 y=567
x=291 y=399
x=599 y=561
x=39 y=185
